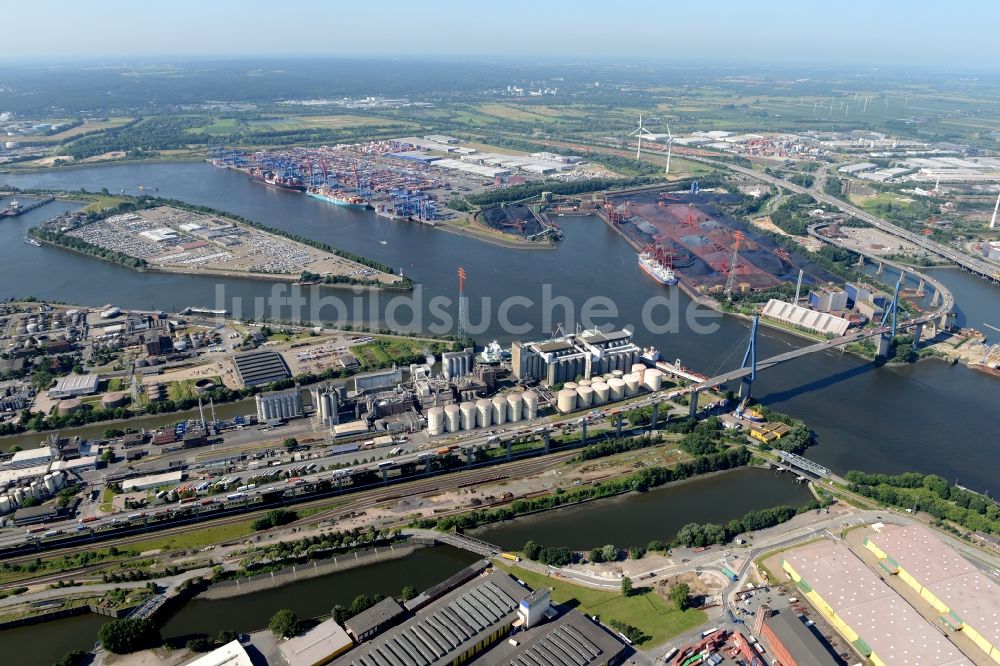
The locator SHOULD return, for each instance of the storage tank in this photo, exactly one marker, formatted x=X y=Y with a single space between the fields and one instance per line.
x=36 y=489
x=468 y=409
x=584 y=382
x=653 y=379
x=452 y=418
x=584 y=397
x=50 y=483
x=617 y=389
x=639 y=369
x=499 y=410
x=566 y=401
x=484 y=412
x=631 y=384
x=59 y=478
x=515 y=407
x=5 y=504
x=617 y=374
x=601 y=391
x=530 y=405
x=435 y=421
x=19 y=496
x=570 y=385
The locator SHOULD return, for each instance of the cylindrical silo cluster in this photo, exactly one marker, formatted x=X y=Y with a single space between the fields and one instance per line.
x=435 y=421
x=279 y=406
x=325 y=405
x=566 y=401
x=38 y=489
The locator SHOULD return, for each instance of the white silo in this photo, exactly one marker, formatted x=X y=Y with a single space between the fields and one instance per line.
x=617 y=374
x=515 y=407
x=617 y=389
x=585 y=382
x=639 y=369
x=601 y=392
x=59 y=478
x=566 y=401
x=653 y=379
x=584 y=397
x=19 y=496
x=50 y=483
x=499 y=410
x=631 y=384
x=37 y=490
x=570 y=385
x=452 y=418
x=435 y=421
x=530 y=405
x=484 y=412
x=4 y=504
x=468 y=409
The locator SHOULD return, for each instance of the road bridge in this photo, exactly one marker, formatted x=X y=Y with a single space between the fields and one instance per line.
x=468 y=543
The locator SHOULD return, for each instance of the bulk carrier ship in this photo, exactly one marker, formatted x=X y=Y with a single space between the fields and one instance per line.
x=652 y=262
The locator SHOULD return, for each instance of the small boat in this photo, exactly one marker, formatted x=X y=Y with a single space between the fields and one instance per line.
x=32 y=241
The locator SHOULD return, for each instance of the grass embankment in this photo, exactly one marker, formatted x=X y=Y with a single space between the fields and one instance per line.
x=655 y=617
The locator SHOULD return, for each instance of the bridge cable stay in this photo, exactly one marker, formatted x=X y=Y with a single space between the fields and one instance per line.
x=723 y=362
x=893 y=310
x=746 y=384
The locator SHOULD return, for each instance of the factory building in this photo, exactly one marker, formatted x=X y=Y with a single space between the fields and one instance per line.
x=867 y=612
x=31 y=457
x=72 y=386
x=828 y=299
x=321 y=644
x=284 y=406
x=565 y=359
x=967 y=600
x=380 y=379
x=457 y=363
x=790 y=640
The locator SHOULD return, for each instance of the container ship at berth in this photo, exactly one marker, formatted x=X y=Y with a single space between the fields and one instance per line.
x=338 y=198
x=652 y=263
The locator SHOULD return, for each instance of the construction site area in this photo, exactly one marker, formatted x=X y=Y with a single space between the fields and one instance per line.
x=705 y=247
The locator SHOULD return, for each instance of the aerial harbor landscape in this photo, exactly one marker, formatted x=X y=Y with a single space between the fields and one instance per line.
x=583 y=347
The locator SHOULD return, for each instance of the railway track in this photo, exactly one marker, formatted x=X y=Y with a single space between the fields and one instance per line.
x=361 y=500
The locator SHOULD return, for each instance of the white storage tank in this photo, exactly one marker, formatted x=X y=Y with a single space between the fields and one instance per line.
x=631 y=384
x=60 y=478
x=452 y=418
x=515 y=407
x=468 y=409
x=639 y=369
x=617 y=389
x=19 y=496
x=601 y=392
x=653 y=379
x=585 y=382
x=4 y=504
x=530 y=405
x=37 y=490
x=617 y=374
x=50 y=483
x=566 y=401
x=584 y=397
x=435 y=421
x=499 y=410
x=570 y=385
x=484 y=412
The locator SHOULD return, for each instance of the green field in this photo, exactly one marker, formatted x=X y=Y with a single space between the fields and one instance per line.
x=653 y=615
x=385 y=351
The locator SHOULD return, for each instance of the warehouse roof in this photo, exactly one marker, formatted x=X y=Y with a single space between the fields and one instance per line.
x=230 y=654
x=885 y=623
x=821 y=322
x=77 y=383
x=446 y=628
x=799 y=640
x=385 y=611
x=967 y=592
x=317 y=646
x=261 y=367
x=572 y=640
x=30 y=457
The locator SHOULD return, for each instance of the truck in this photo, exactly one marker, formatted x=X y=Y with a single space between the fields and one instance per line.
x=510 y=556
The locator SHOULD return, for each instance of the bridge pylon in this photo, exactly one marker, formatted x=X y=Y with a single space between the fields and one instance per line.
x=750 y=357
x=890 y=317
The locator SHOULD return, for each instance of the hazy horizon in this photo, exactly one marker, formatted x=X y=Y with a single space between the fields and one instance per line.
x=954 y=36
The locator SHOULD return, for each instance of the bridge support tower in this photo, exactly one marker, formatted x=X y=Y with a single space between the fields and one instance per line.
x=693 y=405
x=750 y=358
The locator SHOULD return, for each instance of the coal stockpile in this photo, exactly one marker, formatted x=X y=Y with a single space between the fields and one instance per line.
x=516 y=219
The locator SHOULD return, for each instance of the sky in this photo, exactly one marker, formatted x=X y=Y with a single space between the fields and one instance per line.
x=958 y=33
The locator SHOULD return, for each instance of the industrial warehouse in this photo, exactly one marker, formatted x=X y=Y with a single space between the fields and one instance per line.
x=572 y=356
x=481 y=615
x=867 y=612
x=968 y=600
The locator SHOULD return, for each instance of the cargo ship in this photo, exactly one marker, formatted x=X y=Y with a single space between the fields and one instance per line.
x=272 y=179
x=382 y=211
x=656 y=270
x=338 y=198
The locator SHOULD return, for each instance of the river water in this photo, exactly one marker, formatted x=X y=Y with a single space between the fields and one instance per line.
x=636 y=519
x=929 y=417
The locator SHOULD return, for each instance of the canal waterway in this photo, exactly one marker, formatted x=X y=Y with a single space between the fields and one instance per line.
x=928 y=417
x=636 y=519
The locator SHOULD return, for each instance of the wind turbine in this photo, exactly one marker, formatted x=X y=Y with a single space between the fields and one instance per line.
x=670 y=145
x=639 y=132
